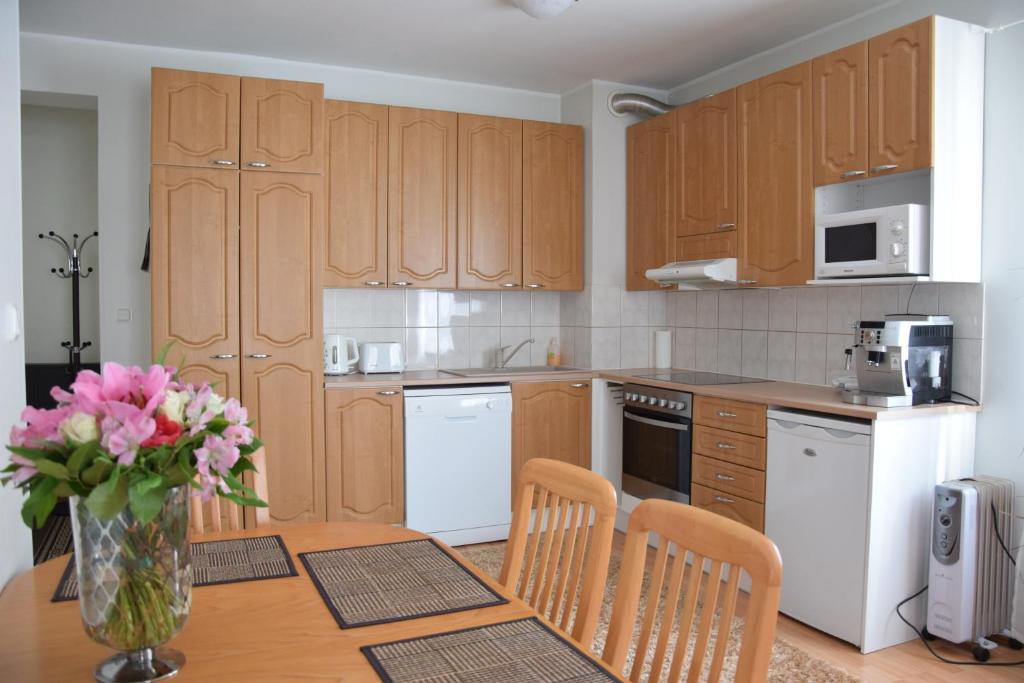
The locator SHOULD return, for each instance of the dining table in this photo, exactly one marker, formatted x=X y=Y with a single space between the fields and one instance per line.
x=276 y=629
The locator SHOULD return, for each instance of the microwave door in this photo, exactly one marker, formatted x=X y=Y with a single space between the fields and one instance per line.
x=852 y=250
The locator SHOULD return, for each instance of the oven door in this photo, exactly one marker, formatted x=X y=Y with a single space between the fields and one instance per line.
x=655 y=456
x=851 y=248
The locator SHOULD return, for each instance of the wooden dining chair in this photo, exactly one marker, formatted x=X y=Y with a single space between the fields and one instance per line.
x=718 y=545
x=562 y=526
x=220 y=512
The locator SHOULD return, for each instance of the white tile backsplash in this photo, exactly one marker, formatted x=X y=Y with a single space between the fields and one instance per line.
x=546 y=308
x=635 y=308
x=812 y=309
x=539 y=349
x=964 y=303
x=636 y=347
x=810 y=357
x=684 y=347
x=707 y=309
x=387 y=308
x=730 y=351
x=843 y=309
x=606 y=306
x=421 y=308
x=482 y=343
x=878 y=301
x=754 y=353
x=453 y=347
x=782 y=309
x=515 y=308
x=421 y=348
x=485 y=309
x=706 y=349
x=605 y=347
x=512 y=337
x=781 y=356
x=755 y=309
x=657 y=312
x=453 y=309
x=730 y=309
x=685 y=309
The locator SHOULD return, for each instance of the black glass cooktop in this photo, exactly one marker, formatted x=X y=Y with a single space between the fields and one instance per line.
x=701 y=378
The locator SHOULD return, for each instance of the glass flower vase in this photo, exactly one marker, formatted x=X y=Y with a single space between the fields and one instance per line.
x=135 y=586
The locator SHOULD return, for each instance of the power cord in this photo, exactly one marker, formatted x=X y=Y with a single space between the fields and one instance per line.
x=973 y=401
x=999 y=537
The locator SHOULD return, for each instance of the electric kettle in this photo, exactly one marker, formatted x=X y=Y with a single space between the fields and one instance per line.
x=340 y=354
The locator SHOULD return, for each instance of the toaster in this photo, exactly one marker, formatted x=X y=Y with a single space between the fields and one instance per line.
x=377 y=357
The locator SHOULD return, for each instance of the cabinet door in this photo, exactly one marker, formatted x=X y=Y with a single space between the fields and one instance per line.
x=900 y=129
x=550 y=420
x=282 y=363
x=490 y=202
x=365 y=460
x=776 y=190
x=356 y=250
x=422 y=191
x=282 y=125
x=650 y=175
x=840 y=101
x=194 y=270
x=194 y=118
x=552 y=206
x=707 y=164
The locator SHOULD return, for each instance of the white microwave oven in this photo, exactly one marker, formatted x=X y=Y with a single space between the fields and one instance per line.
x=889 y=241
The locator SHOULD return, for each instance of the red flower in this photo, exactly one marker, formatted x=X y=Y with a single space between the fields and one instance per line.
x=167 y=432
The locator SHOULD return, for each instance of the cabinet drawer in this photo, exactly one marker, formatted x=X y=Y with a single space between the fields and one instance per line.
x=725 y=476
x=736 y=416
x=712 y=245
x=739 y=449
x=728 y=505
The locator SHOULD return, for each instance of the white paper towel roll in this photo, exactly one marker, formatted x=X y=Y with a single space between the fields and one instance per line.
x=663 y=349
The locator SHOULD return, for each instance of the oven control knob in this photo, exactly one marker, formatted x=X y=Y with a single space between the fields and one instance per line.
x=641 y=399
x=897 y=227
x=672 y=405
x=662 y=403
x=896 y=248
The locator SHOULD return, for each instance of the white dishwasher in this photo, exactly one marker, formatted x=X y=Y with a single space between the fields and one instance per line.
x=458 y=462
x=816 y=512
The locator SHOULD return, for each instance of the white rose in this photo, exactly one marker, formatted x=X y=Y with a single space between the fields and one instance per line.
x=80 y=428
x=215 y=404
x=173 y=407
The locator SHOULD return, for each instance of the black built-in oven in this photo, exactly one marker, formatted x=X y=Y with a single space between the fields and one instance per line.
x=656 y=439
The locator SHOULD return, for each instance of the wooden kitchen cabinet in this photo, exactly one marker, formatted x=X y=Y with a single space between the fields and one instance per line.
x=422 y=197
x=282 y=126
x=552 y=206
x=194 y=118
x=650 y=198
x=840 y=104
x=194 y=270
x=775 y=185
x=707 y=166
x=365 y=457
x=550 y=420
x=356 y=246
x=900 y=124
x=490 y=196
x=281 y=335
x=728 y=505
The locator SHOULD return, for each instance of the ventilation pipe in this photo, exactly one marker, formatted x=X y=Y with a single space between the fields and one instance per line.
x=622 y=103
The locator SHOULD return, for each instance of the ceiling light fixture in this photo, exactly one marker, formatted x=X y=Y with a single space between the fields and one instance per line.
x=543 y=9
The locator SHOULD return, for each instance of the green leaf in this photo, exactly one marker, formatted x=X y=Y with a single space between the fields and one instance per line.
x=110 y=497
x=175 y=476
x=30 y=453
x=161 y=355
x=244 y=500
x=82 y=457
x=98 y=471
x=40 y=502
x=51 y=469
x=243 y=465
x=185 y=462
x=146 y=497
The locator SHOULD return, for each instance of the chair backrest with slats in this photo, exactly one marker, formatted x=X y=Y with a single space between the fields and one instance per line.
x=719 y=546
x=560 y=543
x=222 y=512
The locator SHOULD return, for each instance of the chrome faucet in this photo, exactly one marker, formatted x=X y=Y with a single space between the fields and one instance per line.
x=501 y=360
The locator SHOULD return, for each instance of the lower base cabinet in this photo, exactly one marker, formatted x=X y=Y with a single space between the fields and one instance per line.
x=365 y=455
x=550 y=420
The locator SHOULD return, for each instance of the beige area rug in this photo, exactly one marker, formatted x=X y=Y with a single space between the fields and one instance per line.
x=789 y=664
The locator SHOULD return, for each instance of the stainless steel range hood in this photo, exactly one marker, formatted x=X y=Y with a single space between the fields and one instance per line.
x=719 y=273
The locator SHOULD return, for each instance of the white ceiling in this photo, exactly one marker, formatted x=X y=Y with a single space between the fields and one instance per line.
x=654 y=43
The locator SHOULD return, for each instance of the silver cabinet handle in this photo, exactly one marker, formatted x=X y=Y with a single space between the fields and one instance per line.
x=725 y=446
x=725 y=413
x=257 y=355
x=535 y=285
x=811 y=452
x=726 y=226
x=389 y=392
x=724 y=477
x=258 y=164
x=510 y=284
x=723 y=499
x=400 y=283
x=222 y=162
x=883 y=167
x=852 y=174
x=579 y=385
x=746 y=282
x=374 y=283
x=223 y=356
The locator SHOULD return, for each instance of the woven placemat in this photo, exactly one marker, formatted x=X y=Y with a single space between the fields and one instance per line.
x=215 y=562
x=525 y=651
x=377 y=584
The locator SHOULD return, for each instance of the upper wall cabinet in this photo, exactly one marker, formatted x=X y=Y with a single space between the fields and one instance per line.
x=356 y=250
x=651 y=190
x=707 y=164
x=840 y=100
x=282 y=125
x=194 y=118
x=422 y=193
x=552 y=206
x=490 y=226
x=775 y=187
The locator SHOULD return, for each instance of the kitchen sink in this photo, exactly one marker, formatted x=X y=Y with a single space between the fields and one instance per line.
x=520 y=370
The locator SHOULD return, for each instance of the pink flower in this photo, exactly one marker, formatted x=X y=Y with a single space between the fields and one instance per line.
x=124 y=429
x=234 y=412
x=214 y=461
x=144 y=389
x=26 y=470
x=204 y=407
x=41 y=426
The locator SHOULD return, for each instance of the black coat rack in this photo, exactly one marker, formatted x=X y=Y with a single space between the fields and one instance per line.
x=74 y=272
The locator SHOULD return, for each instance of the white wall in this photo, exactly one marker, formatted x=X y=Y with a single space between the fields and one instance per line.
x=118 y=75
x=58 y=179
x=14 y=536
